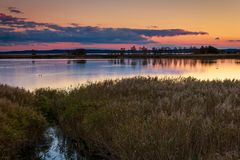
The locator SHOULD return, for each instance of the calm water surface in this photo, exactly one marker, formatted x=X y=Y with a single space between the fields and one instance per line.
x=62 y=73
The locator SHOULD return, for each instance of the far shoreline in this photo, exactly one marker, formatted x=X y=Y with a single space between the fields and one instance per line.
x=136 y=56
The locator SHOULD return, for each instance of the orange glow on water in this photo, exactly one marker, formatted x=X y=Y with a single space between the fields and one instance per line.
x=65 y=73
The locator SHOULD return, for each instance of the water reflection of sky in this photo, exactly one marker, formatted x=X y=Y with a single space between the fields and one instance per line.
x=52 y=73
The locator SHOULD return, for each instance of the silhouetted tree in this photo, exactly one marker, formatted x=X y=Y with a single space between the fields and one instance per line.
x=78 y=52
x=206 y=50
x=34 y=52
x=122 y=51
x=133 y=49
x=144 y=50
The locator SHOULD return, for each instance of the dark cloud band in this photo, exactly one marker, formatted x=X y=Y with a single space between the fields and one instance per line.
x=46 y=32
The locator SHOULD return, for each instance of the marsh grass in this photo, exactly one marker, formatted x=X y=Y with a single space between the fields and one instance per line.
x=21 y=127
x=16 y=95
x=129 y=119
x=150 y=118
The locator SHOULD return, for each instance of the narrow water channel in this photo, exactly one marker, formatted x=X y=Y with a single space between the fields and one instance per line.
x=58 y=148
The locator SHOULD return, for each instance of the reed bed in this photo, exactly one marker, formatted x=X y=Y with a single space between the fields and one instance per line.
x=21 y=127
x=149 y=118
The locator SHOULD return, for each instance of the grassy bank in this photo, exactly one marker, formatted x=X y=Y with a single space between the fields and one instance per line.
x=21 y=128
x=149 y=118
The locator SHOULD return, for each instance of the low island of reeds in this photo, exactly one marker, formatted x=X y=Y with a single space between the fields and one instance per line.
x=130 y=119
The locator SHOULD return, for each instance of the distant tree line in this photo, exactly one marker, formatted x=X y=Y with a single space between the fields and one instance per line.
x=153 y=51
x=167 y=50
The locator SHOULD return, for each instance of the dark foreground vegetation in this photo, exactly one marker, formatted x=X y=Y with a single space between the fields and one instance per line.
x=21 y=127
x=137 y=118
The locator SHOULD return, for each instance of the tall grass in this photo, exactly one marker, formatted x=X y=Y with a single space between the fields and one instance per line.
x=129 y=119
x=150 y=118
x=21 y=128
x=16 y=95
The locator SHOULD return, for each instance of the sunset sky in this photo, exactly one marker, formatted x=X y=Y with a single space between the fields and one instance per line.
x=58 y=24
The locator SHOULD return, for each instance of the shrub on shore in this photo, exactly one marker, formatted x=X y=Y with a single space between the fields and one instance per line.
x=150 y=118
x=21 y=128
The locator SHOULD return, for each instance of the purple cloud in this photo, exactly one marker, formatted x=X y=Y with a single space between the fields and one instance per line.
x=47 y=32
x=14 y=10
x=167 y=32
x=234 y=41
x=153 y=26
x=17 y=23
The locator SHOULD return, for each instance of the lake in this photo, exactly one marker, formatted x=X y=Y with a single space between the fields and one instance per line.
x=65 y=73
